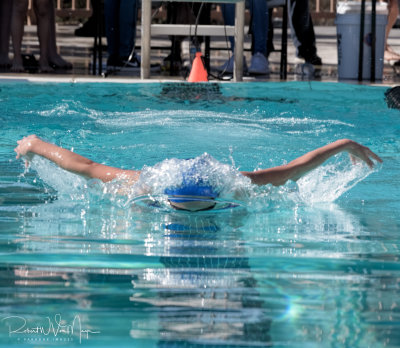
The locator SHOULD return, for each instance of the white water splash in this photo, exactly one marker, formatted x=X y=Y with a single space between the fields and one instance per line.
x=254 y=120
x=330 y=181
x=325 y=184
x=225 y=179
x=61 y=180
x=62 y=108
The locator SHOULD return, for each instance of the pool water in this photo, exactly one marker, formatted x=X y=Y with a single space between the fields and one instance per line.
x=310 y=264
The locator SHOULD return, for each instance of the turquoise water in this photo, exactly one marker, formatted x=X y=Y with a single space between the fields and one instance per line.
x=309 y=265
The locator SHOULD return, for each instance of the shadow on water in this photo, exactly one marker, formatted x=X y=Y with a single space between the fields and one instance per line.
x=195 y=92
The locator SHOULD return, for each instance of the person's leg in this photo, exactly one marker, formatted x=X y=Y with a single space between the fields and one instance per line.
x=43 y=16
x=259 y=25
x=228 y=12
x=20 y=8
x=302 y=30
x=55 y=60
x=259 y=28
x=173 y=62
x=111 y=13
x=393 y=7
x=127 y=27
x=5 y=29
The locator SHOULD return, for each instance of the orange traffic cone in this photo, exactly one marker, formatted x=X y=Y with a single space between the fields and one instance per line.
x=198 y=72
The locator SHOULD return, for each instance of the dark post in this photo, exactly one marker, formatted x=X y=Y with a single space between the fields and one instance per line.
x=97 y=46
x=207 y=53
x=283 y=66
x=373 y=40
x=361 y=49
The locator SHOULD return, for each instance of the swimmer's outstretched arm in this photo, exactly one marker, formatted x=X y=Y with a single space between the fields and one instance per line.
x=68 y=160
x=295 y=169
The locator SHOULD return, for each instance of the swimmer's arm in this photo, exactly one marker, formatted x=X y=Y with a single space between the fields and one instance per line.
x=68 y=160
x=297 y=168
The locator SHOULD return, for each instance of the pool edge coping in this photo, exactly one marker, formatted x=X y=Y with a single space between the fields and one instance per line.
x=99 y=79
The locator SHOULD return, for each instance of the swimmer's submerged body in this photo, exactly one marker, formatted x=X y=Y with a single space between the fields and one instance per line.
x=193 y=194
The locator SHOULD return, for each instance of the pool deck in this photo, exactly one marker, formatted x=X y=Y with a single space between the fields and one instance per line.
x=78 y=50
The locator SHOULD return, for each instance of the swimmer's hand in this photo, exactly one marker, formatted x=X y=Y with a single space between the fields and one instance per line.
x=358 y=151
x=25 y=147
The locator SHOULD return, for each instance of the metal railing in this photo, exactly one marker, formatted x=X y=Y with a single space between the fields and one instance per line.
x=80 y=9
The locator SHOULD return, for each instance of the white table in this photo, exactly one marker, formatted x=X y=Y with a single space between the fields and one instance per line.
x=238 y=30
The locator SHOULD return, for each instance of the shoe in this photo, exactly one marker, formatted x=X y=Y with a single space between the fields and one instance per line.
x=311 y=58
x=134 y=62
x=30 y=63
x=259 y=65
x=123 y=62
x=126 y=64
x=227 y=67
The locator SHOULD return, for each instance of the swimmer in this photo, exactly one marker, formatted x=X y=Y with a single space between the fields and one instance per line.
x=193 y=195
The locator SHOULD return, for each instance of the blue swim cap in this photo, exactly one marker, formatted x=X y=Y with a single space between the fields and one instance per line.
x=193 y=188
x=194 y=192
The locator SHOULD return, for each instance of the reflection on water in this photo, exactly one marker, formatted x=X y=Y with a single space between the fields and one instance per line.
x=171 y=279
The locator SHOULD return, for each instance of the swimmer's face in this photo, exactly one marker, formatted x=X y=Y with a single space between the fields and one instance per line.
x=193 y=203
